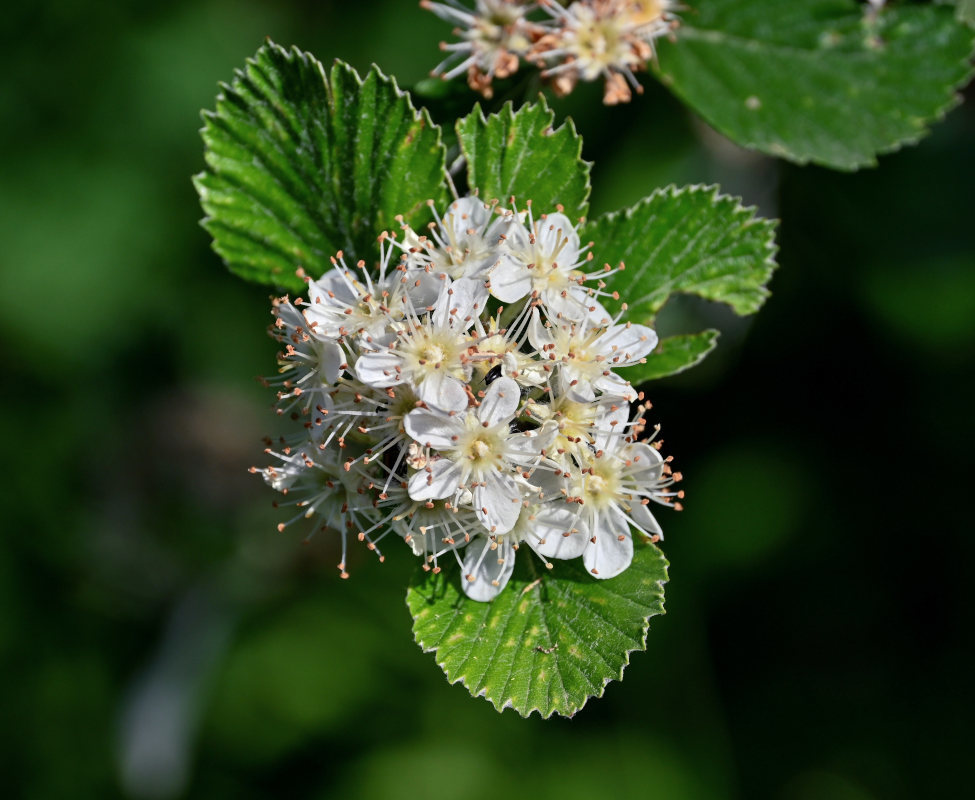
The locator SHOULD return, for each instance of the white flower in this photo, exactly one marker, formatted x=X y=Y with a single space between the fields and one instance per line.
x=493 y=35
x=344 y=302
x=478 y=452
x=544 y=260
x=321 y=490
x=586 y=354
x=613 y=488
x=545 y=523
x=462 y=244
x=604 y=38
x=428 y=354
x=309 y=364
x=466 y=424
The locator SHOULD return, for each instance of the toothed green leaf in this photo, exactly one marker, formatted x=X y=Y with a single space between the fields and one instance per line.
x=302 y=164
x=550 y=641
x=520 y=154
x=824 y=81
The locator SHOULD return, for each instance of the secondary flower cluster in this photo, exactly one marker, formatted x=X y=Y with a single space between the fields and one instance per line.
x=585 y=40
x=464 y=395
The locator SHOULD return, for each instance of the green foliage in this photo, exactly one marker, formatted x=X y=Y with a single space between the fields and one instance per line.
x=822 y=81
x=550 y=640
x=691 y=240
x=302 y=165
x=520 y=153
x=672 y=355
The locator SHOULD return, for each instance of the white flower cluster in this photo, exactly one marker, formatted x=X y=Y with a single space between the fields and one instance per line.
x=465 y=396
x=584 y=40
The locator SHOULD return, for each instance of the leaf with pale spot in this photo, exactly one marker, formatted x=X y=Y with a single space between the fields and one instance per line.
x=550 y=641
x=301 y=164
x=822 y=81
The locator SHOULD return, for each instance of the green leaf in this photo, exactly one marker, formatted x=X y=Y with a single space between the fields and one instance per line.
x=691 y=240
x=825 y=81
x=673 y=355
x=302 y=165
x=550 y=640
x=521 y=154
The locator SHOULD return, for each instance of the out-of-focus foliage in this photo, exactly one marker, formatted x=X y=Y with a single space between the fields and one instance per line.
x=160 y=639
x=826 y=81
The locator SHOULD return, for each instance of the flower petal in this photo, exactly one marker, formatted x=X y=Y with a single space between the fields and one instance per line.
x=497 y=502
x=501 y=401
x=443 y=391
x=626 y=344
x=486 y=572
x=510 y=280
x=612 y=550
x=438 y=480
x=379 y=368
x=558 y=532
x=432 y=429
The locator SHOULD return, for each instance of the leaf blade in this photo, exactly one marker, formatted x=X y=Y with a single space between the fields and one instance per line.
x=820 y=81
x=549 y=641
x=520 y=154
x=691 y=240
x=302 y=164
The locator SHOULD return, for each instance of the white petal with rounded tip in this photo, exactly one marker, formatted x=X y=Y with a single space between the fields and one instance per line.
x=466 y=213
x=422 y=287
x=437 y=481
x=482 y=564
x=497 y=503
x=608 y=436
x=454 y=308
x=443 y=391
x=552 y=231
x=330 y=360
x=627 y=344
x=643 y=459
x=549 y=529
x=334 y=282
x=379 y=369
x=510 y=280
x=431 y=429
x=612 y=551
x=644 y=519
x=615 y=386
x=539 y=335
x=501 y=401
x=525 y=448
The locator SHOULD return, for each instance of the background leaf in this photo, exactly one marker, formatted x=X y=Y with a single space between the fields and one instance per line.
x=818 y=80
x=550 y=640
x=520 y=153
x=691 y=240
x=301 y=165
x=672 y=355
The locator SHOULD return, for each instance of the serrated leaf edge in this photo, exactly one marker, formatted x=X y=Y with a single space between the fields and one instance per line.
x=780 y=150
x=420 y=115
x=567 y=124
x=526 y=713
x=771 y=246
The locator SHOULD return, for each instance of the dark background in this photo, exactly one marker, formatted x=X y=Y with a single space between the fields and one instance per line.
x=159 y=639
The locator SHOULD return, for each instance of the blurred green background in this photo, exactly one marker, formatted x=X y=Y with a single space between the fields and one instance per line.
x=159 y=639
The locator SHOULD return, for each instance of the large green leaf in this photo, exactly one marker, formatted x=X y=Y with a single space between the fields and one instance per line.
x=550 y=640
x=825 y=81
x=691 y=240
x=520 y=153
x=301 y=165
